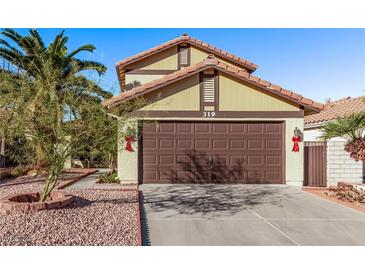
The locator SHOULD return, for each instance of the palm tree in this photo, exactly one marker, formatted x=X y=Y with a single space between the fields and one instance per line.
x=51 y=64
x=352 y=128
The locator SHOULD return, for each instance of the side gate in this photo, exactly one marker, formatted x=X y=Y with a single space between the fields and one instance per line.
x=315 y=164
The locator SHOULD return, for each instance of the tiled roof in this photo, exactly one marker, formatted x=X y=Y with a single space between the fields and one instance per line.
x=211 y=61
x=340 y=108
x=187 y=39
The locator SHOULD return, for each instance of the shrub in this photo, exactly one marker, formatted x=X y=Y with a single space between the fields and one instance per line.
x=109 y=178
x=20 y=171
x=347 y=193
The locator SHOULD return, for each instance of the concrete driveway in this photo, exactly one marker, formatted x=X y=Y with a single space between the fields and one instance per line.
x=245 y=215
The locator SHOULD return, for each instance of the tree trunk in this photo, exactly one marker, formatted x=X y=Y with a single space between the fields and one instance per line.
x=52 y=179
x=2 y=151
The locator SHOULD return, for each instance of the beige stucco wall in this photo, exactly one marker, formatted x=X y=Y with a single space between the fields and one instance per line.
x=186 y=98
x=234 y=95
x=128 y=162
x=141 y=78
x=166 y=59
x=198 y=55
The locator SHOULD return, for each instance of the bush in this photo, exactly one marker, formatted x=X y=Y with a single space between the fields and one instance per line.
x=5 y=174
x=20 y=171
x=109 y=178
x=347 y=193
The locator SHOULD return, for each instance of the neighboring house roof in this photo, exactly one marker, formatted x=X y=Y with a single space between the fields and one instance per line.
x=335 y=109
x=185 y=38
x=212 y=62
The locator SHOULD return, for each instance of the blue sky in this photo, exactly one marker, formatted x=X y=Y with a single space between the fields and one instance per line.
x=317 y=63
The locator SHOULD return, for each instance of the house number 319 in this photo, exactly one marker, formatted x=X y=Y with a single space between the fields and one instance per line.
x=209 y=114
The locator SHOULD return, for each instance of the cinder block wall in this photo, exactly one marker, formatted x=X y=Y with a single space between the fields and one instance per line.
x=340 y=167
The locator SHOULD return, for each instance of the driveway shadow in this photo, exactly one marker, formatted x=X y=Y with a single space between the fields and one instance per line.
x=211 y=199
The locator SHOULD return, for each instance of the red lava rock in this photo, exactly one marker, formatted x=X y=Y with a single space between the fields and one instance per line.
x=96 y=217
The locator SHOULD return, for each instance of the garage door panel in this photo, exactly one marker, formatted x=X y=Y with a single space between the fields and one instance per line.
x=273 y=160
x=202 y=144
x=237 y=128
x=167 y=159
x=184 y=128
x=237 y=144
x=255 y=160
x=201 y=128
x=150 y=159
x=202 y=152
x=255 y=128
x=219 y=128
x=186 y=144
x=166 y=128
x=255 y=144
x=273 y=128
x=273 y=144
x=219 y=144
x=166 y=144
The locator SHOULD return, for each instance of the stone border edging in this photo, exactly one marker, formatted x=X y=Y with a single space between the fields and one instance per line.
x=28 y=202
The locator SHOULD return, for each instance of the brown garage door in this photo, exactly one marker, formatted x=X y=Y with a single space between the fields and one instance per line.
x=201 y=152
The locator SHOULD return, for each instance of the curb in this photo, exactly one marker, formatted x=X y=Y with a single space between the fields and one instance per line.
x=74 y=180
x=139 y=224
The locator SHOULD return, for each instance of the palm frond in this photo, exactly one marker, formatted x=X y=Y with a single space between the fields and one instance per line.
x=90 y=65
x=37 y=37
x=351 y=127
x=12 y=56
x=89 y=48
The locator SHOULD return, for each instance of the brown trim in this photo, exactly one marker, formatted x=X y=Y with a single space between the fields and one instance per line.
x=216 y=90
x=179 y=65
x=201 y=91
x=218 y=114
x=151 y=71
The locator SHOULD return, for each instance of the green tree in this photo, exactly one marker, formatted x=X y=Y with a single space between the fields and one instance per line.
x=39 y=120
x=28 y=54
x=352 y=129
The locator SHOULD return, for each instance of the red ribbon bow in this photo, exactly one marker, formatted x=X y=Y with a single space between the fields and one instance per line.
x=296 y=141
x=128 y=145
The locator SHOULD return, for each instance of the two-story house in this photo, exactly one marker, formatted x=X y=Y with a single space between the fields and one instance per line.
x=210 y=120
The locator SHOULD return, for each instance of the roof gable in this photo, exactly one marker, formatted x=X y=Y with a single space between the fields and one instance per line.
x=212 y=62
x=185 y=38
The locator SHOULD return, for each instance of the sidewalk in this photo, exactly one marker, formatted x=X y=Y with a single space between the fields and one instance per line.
x=88 y=181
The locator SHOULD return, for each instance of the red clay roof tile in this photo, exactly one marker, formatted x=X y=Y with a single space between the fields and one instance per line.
x=186 y=38
x=212 y=62
x=340 y=108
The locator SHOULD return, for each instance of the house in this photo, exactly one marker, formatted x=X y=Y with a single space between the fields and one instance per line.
x=216 y=121
x=340 y=167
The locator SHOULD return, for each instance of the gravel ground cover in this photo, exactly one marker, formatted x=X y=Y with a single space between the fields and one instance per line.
x=97 y=217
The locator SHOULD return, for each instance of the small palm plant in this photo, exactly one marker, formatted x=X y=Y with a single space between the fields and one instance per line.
x=351 y=128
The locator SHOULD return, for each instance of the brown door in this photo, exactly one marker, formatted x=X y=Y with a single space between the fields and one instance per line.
x=219 y=152
x=315 y=164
